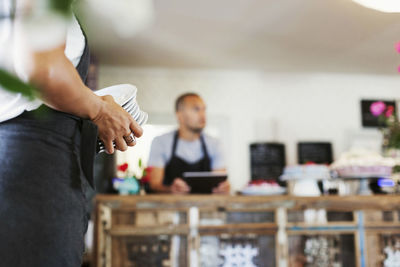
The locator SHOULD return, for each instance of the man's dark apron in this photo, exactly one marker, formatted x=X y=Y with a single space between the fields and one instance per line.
x=46 y=157
x=177 y=166
x=86 y=130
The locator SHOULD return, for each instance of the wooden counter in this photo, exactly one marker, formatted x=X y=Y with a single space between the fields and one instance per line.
x=198 y=230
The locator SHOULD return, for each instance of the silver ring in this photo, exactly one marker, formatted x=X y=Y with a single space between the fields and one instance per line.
x=130 y=138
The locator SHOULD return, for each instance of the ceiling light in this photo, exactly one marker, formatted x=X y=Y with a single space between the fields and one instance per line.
x=388 y=6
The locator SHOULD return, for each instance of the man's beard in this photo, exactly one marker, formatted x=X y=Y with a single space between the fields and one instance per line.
x=196 y=130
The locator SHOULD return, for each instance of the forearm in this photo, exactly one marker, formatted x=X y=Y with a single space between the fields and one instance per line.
x=60 y=85
x=160 y=188
x=157 y=181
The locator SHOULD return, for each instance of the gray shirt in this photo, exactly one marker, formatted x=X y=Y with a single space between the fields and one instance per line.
x=190 y=151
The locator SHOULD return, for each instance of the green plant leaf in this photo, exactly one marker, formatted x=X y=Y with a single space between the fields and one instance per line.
x=61 y=6
x=11 y=83
x=396 y=169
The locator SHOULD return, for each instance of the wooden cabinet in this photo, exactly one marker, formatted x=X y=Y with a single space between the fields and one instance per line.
x=166 y=230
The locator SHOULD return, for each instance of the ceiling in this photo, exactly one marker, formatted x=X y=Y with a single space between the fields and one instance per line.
x=284 y=35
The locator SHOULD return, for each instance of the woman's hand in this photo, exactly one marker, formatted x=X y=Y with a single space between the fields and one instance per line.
x=114 y=123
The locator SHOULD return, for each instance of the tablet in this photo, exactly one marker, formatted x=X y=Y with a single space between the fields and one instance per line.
x=203 y=182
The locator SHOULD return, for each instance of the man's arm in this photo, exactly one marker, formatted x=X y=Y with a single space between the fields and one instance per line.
x=61 y=88
x=224 y=187
x=156 y=181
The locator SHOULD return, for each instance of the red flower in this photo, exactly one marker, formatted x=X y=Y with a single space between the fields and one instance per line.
x=123 y=167
x=146 y=175
x=145 y=180
x=389 y=111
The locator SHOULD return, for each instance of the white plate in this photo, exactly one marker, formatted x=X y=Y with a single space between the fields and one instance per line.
x=133 y=99
x=146 y=118
x=129 y=106
x=122 y=93
x=138 y=117
x=134 y=110
x=137 y=114
x=130 y=110
x=143 y=119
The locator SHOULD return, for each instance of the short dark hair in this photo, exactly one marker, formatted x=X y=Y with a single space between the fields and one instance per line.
x=181 y=99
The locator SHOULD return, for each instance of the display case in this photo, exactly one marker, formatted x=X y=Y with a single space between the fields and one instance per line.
x=194 y=230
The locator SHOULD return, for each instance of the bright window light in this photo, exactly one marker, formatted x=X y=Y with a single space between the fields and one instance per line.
x=388 y=6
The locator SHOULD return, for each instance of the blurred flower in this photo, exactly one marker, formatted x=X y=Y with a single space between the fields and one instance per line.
x=390 y=126
x=123 y=167
x=310 y=163
x=389 y=111
x=377 y=108
x=146 y=175
x=397 y=47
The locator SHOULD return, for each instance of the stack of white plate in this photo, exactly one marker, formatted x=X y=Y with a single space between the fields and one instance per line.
x=125 y=96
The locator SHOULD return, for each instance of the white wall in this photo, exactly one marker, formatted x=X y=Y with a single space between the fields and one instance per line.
x=254 y=106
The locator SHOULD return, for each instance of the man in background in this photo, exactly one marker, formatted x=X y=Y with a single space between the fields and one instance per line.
x=187 y=149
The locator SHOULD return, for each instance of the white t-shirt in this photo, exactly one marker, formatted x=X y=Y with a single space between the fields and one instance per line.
x=190 y=151
x=13 y=104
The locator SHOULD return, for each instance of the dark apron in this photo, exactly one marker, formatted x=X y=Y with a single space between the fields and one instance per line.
x=86 y=130
x=177 y=166
x=46 y=162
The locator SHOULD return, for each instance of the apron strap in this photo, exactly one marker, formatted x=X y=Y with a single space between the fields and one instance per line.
x=202 y=141
x=88 y=149
x=204 y=147
x=83 y=65
x=175 y=143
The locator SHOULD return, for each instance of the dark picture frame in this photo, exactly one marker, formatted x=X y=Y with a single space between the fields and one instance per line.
x=369 y=120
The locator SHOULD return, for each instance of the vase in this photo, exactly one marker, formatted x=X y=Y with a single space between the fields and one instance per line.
x=127 y=186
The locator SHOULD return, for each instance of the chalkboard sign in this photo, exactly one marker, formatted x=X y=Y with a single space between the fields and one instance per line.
x=317 y=152
x=267 y=160
x=369 y=120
